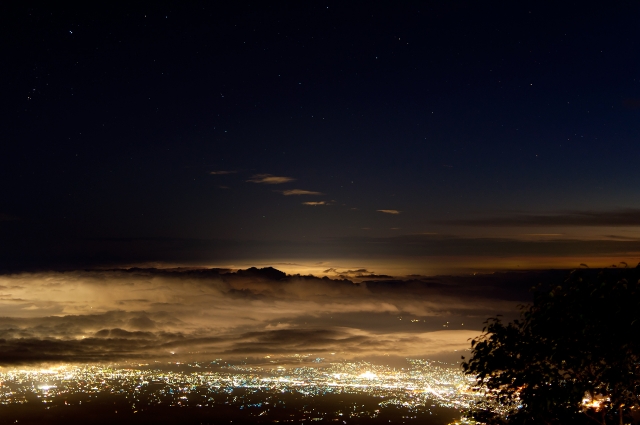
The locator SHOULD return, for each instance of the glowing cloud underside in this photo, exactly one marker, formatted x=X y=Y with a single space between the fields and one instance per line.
x=269 y=179
x=300 y=192
x=107 y=315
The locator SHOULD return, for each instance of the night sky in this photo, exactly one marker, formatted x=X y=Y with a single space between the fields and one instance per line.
x=408 y=137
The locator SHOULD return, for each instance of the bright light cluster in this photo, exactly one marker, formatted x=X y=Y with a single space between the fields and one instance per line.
x=420 y=385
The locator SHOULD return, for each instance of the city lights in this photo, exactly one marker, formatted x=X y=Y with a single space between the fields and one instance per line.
x=418 y=387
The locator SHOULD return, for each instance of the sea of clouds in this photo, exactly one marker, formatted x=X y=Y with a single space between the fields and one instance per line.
x=119 y=315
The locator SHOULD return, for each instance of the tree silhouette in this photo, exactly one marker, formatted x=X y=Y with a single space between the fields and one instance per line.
x=573 y=357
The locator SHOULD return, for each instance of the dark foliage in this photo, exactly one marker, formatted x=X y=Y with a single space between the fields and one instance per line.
x=573 y=357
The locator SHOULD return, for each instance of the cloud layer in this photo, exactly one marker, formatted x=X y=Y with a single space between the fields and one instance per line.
x=153 y=314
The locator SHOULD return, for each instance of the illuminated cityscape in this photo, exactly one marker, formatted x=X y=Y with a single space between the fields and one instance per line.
x=311 y=390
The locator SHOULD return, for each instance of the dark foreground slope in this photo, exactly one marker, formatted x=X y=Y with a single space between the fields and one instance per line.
x=239 y=407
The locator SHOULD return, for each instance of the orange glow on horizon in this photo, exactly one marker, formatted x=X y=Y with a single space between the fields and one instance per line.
x=424 y=266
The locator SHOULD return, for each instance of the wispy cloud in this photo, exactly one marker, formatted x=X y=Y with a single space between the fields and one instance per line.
x=619 y=217
x=269 y=179
x=312 y=203
x=219 y=173
x=300 y=192
x=389 y=211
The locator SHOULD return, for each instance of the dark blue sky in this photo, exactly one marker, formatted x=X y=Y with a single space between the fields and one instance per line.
x=503 y=129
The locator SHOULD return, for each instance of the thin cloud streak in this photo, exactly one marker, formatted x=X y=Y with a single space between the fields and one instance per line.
x=411 y=250
x=300 y=192
x=611 y=218
x=389 y=211
x=312 y=203
x=622 y=238
x=269 y=179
